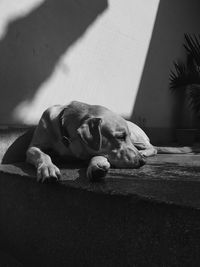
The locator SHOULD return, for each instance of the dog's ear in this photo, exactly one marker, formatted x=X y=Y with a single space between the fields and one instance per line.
x=90 y=133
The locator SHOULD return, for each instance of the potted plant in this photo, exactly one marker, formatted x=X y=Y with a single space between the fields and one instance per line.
x=185 y=81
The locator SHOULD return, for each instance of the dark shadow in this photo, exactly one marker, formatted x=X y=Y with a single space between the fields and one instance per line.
x=33 y=45
x=154 y=104
x=16 y=152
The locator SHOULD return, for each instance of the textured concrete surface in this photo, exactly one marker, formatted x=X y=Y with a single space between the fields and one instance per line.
x=165 y=178
x=144 y=217
x=70 y=224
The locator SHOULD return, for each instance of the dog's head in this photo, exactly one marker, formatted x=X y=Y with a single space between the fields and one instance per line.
x=108 y=135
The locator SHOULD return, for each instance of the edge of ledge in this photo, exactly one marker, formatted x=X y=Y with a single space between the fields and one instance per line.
x=183 y=193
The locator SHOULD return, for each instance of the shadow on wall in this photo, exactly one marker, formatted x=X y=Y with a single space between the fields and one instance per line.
x=33 y=45
x=156 y=110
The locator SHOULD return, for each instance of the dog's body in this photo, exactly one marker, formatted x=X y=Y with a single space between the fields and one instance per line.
x=87 y=132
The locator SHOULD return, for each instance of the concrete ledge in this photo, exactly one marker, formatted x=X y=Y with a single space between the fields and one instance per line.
x=145 y=217
x=57 y=225
x=172 y=179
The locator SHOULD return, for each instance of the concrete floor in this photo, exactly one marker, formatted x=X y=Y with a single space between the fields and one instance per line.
x=142 y=217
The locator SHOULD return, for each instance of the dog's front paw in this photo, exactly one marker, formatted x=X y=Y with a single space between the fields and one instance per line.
x=47 y=172
x=97 y=168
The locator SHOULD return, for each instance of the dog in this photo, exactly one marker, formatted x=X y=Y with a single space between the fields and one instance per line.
x=91 y=133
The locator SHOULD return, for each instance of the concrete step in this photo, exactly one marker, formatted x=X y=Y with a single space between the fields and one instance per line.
x=144 y=217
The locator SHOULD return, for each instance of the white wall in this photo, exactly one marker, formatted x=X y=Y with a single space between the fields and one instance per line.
x=103 y=65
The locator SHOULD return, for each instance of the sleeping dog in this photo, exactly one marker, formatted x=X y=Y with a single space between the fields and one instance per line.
x=91 y=133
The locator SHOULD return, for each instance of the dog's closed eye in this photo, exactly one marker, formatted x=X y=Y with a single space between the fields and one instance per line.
x=121 y=136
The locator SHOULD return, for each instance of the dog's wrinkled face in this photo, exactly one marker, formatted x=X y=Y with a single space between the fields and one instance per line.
x=109 y=136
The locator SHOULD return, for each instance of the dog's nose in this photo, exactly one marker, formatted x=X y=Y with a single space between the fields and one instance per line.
x=142 y=161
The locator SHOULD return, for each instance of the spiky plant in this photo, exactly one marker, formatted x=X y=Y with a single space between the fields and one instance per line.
x=180 y=77
x=194 y=95
x=192 y=47
x=186 y=76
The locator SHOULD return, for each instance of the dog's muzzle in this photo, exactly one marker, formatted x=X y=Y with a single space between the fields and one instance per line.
x=124 y=159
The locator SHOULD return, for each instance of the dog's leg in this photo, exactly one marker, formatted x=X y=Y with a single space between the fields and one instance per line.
x=140 y=140
x=148 y=152
x=45 y=168
x=41 y=141
x=98 y=167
